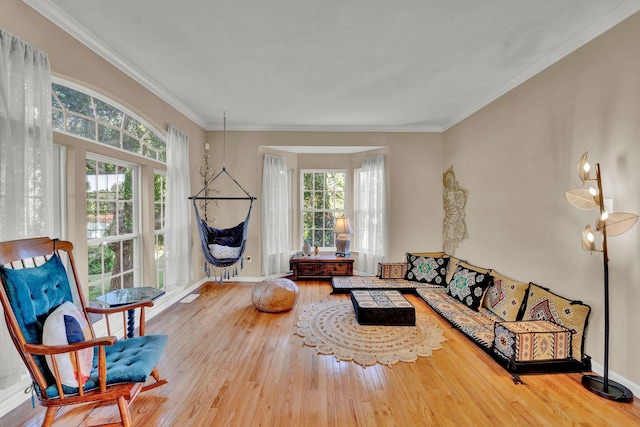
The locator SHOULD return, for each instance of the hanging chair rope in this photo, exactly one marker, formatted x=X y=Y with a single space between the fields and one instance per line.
x=222 y=248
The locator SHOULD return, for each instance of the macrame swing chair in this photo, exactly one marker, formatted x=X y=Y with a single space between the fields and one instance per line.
x=222 y=248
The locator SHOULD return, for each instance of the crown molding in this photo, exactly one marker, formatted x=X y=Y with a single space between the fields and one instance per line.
x=51 y=12
x=291 y=128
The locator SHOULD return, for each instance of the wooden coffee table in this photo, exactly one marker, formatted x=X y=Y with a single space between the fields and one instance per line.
x=387 y=308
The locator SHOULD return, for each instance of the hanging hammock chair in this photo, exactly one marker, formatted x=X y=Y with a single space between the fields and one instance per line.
x=222 y=248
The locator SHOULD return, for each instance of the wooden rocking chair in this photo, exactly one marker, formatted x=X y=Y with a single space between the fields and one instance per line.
x=34 y=287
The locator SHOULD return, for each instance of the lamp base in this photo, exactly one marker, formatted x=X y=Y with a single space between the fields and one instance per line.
x=342 y=245
x=615 y=391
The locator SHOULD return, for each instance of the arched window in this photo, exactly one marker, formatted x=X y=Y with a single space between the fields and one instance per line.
x=86 y=116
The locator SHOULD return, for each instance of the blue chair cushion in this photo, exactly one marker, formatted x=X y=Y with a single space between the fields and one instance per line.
x=34 y=293
x=128 y=360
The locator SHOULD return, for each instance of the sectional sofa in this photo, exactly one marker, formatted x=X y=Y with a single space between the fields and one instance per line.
x=525 y=327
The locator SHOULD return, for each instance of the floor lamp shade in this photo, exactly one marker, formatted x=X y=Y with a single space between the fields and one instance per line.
x=342 y=228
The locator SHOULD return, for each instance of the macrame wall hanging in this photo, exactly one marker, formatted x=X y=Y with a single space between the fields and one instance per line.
x=454 y=201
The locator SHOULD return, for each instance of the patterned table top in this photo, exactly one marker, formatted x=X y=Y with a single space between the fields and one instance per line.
x=380 y=299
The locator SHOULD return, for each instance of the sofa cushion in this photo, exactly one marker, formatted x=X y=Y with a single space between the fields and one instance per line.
x=392 y=270
x=469 y=284
x=427 y=267
x=505 y=297
x=542 y=304
x=533 y=340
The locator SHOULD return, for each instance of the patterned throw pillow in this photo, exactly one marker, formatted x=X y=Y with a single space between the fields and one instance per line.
x=427 y=267
x=543 y=304
x=469 y=284
x=67 y=325
x=451 y=268
x=505 y=297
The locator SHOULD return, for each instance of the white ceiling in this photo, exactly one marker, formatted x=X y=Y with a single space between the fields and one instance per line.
x=408 y=65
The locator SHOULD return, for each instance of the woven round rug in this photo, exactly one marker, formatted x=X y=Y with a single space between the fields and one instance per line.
x=331 y=327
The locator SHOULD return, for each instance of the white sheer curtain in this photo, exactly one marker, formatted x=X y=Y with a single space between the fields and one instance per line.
x=275 y=225
x=26 y=160
x=178 y=213
x=371 y=214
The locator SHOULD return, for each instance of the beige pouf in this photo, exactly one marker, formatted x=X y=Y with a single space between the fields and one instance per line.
x=275 y=295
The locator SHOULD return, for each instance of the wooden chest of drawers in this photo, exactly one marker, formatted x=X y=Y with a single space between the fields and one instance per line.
x=320 y=266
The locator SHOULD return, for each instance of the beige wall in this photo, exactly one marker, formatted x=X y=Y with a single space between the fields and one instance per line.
x=415 y=180
x=519 y=155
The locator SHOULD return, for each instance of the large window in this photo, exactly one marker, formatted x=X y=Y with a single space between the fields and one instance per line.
x=112 y=225
x=323 y=200
x=159 y=191
x=114 y=190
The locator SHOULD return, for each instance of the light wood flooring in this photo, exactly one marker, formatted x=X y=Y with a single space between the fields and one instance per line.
x=231 y=365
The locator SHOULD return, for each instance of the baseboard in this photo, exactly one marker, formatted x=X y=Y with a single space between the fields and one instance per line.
x=599 y=369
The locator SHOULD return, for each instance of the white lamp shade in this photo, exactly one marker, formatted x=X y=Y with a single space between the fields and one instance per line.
x=343 y=226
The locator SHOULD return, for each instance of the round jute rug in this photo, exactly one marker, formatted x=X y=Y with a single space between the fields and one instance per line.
x=331 y=327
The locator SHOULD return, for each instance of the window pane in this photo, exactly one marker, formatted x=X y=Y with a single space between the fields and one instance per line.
x=339 y=202
x=308 y=181
x=127 y=280
x=58 y=120
x=318 y=200
x=125 y=216
x=127 y=255
x=131 y=144
x=109 y=114
x=81 y=126
x=109 y=136
x=107 y=217
x=306 y=203
x=318 y=220
x=74 y=101
x=329 y=220
x=328 y=238
x=317 y=237
x=329 y=202
x=135 y=127
x=318 y=181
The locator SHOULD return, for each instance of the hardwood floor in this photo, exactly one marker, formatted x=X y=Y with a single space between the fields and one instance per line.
x=231 y=365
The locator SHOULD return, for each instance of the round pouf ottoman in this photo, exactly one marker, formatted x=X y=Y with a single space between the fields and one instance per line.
x=275 y=295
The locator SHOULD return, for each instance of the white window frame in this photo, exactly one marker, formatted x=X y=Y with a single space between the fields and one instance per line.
x=337 y=211
x=136 y=235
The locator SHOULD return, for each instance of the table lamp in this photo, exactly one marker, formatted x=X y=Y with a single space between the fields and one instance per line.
x=342 y=227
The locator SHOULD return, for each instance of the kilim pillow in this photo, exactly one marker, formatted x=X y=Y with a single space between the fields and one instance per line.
x=469 y=284
x=543 y=304
x=427 y=267
x=505 y=297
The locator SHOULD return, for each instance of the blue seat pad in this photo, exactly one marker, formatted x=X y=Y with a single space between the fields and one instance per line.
x=128 y=360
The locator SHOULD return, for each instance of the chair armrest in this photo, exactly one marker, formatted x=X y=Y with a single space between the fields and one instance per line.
x=41 y=349
x=127 y=315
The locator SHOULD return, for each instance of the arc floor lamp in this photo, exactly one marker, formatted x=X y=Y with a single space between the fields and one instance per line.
x=607 y=225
